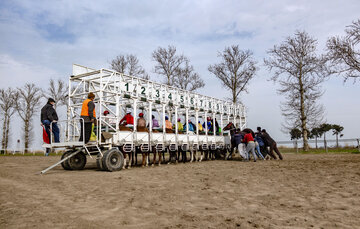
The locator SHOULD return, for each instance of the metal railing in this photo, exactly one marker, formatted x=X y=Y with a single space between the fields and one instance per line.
x=323 y=143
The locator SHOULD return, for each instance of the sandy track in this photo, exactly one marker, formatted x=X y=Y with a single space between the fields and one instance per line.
x=320 y=191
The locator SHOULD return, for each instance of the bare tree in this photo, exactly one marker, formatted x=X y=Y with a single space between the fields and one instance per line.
x=187 y=79
x=300 y=72
x=343 y=53
x=235 y=70
x=7 y=108
x=168 y=63
x=129 y=64
x=58 y=91
x=27 y=100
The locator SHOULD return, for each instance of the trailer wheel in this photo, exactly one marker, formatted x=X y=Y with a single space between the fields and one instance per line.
x=113 y=160
x=77 y=162
x=99 y=163
x=65 y=164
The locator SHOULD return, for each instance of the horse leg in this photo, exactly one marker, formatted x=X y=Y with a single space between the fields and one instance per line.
x=154 y=158
x=130 y=159
x=183 y=156
x=191 y=155
x=143 y=159
x=124 y=165
x=160 y=157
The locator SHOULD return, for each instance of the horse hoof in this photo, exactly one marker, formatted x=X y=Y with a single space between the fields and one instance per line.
x=152 y=165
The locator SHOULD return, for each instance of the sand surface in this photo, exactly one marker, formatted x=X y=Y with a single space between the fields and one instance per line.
x=303 y=191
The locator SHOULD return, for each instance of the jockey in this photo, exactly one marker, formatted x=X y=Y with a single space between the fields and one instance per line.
x=209 y=124
x=141 y=122
x=128 y=118
x=180 y=125
x=200 y=127
x=191 y=126
x=155 y=122
x=168 y=124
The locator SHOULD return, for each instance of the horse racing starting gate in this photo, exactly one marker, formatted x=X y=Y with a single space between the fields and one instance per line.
x=119 y=93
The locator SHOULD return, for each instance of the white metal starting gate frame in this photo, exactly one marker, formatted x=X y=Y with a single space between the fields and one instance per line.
x=116 y=92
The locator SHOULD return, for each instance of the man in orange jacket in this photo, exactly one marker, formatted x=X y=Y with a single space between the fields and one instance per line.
x=89 y=116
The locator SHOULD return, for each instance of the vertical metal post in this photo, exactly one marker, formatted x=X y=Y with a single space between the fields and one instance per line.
x=68 y=111
x=206 y=128
x=197 y=122
x=187 y=120
x=221 y=122
x=214 y=127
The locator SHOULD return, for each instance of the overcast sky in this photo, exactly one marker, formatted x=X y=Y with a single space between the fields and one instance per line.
x=41 y=39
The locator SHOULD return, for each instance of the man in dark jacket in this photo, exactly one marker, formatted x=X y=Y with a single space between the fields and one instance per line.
x=49 y=119
x=271 y=143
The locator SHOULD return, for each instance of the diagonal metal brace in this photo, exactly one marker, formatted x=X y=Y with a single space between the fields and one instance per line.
x=61 y=161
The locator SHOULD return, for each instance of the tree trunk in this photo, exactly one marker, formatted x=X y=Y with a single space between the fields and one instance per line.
x=302 y=115
x=4 y=133
x=316 y=143
x=325 y=144
x=337 y=140
x=7 y=132
x=26 y=130
x=234 y=95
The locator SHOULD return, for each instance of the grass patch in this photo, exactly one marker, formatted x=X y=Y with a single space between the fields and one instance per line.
x=36 y=153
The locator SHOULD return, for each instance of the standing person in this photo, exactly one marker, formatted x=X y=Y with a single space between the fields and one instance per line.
x=257 y=145
x=89 y=117
x=262 y=144
x=250 y=144
x=272 y=144
x=238 y=137
x=49 y=118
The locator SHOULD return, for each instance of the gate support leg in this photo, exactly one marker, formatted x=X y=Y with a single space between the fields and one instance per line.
x=61 y=161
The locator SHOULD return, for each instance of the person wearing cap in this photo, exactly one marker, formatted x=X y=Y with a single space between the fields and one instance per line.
x=209 y=124
x=88 y=117
x=168 y=124
x=49 y=118
x=141 y=122
x=190 y=125
x=180 y=125
x=110 y=119
x=201 y=129
x=155 y=122
x=128 y=118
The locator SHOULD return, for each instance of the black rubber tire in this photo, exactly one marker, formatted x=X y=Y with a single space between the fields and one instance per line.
x=99 y=163
x=113 y=160
x=65 y=164
x=77 y=162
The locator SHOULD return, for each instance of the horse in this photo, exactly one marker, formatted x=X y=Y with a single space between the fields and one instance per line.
x=233 y=146
x=230 y=126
